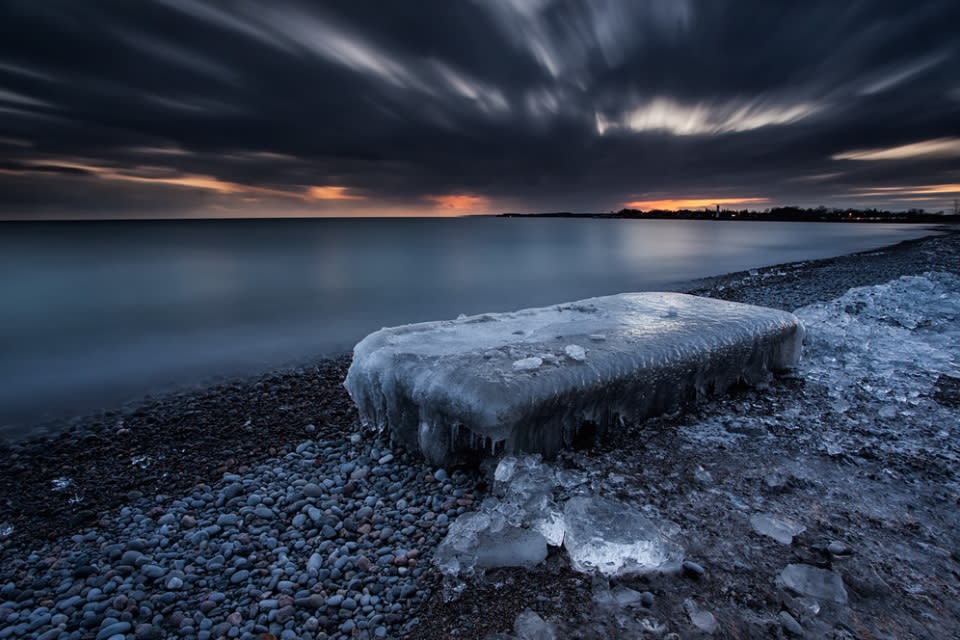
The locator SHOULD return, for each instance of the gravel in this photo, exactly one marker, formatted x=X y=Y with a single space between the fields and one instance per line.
x=353 y=565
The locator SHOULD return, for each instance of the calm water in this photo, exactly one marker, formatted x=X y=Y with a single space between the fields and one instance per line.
x=96 y=313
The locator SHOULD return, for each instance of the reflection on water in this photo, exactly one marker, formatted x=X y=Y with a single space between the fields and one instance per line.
x=94 y=313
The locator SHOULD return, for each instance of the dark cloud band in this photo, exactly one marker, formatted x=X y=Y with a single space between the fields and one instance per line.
x=438 y=107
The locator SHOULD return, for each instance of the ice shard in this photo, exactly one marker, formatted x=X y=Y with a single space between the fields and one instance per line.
x=783 y=530
x=812 y=581
x=530 y=380
x=614 y=539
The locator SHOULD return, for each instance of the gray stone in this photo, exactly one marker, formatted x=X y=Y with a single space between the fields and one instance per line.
x=790 y=624
x=227 y=520
x=313 y=490
x=693 y=569
x=239 y=576
x=117 y=628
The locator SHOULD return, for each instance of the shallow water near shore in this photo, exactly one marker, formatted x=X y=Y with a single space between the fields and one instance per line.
x=95 y=314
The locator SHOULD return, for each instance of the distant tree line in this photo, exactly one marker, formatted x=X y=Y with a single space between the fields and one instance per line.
x=782 y=214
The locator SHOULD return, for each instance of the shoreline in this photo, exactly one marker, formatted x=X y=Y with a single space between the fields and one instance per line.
x=51 y=426
x=294 y=402
x=141 y=457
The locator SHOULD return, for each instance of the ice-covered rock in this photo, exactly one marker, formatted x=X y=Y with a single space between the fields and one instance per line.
x=511 y=382
x=615 y=539
x=780 y=529
x=808 y=580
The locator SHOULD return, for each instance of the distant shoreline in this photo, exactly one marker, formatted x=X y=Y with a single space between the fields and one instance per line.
x=780 y=214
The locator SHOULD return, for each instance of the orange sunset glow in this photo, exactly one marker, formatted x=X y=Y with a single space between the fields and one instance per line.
x=460 y=202
x=331 y=192
x=689 y=203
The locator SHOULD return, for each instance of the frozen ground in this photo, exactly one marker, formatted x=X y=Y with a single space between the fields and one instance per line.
x=825 y=506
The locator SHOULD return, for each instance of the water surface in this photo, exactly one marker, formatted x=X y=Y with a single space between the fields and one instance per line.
x=95 y=313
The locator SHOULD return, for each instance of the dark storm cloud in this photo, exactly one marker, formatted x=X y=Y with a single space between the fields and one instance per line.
x=216 y=107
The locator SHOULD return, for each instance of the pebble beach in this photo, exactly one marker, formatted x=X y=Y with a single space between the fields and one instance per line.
x=261 y=508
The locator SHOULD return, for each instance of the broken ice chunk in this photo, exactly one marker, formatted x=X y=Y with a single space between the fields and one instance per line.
x=510 y=547
x=701 y=619
x=575 y=352
x=435 y=388
x=551 y=525
x=780 y=529
x=615 y=539
x=528 y=364
x=525 y=483
x=530 y=626
x=812 y=581
x=616 y=598
x=505 y=469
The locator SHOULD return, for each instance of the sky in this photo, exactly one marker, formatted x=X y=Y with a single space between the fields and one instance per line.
x=192 y=108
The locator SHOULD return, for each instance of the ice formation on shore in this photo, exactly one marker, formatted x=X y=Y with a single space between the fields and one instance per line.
x=885 y=340
x=523 y=382
x=513 y=529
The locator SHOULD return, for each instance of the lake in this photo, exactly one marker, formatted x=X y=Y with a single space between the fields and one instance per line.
x=95 y=313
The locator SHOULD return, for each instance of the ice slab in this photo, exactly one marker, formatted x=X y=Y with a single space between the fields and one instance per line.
x=615 y=539
x=529 y=380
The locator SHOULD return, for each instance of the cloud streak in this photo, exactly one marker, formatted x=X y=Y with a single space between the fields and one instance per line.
x=365 y=107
